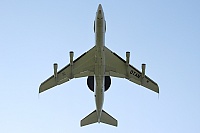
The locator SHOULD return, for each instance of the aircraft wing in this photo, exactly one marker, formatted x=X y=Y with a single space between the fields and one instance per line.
x=82 y=66
x=117 y=67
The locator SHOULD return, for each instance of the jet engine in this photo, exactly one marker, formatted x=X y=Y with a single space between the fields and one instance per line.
x=90 y=82
x=127 y=58
x=71 y=54
x=55 y=68
x=143 y=70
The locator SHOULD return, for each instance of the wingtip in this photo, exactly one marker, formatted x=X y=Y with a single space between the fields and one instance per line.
x=40 y=90
x=158 y=89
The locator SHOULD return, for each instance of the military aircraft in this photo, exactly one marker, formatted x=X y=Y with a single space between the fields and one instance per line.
x=99 y=64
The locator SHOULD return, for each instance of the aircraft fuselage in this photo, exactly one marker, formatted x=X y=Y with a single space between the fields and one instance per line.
x=99 y=60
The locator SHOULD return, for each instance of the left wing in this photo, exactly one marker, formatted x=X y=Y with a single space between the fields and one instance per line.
x=118 y=67
x=81 y=67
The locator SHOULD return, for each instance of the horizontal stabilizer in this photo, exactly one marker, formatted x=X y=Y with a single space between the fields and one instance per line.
x=105 y=118
x=91 y=118
x=108 y=119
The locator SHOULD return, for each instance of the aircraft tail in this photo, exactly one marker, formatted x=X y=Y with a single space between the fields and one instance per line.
x=91 y=118
x=105 y=118
x=108 y=119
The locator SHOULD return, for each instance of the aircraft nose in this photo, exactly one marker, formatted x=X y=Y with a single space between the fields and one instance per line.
x=100 y=12
x=99 y=7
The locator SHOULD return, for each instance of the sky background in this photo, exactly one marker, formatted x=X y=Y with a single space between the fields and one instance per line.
x=163 y=34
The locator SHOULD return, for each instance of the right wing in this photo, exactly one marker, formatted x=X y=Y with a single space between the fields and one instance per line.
x=117 y=67
x=82 y=66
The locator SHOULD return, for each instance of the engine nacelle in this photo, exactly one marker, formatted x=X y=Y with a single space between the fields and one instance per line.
x=71 y=54
x=143 y=70
x=55 y=68
x=127 y=58
x=90 y=82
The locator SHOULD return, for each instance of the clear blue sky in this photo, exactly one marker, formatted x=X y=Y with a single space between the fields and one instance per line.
x=163 y=34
